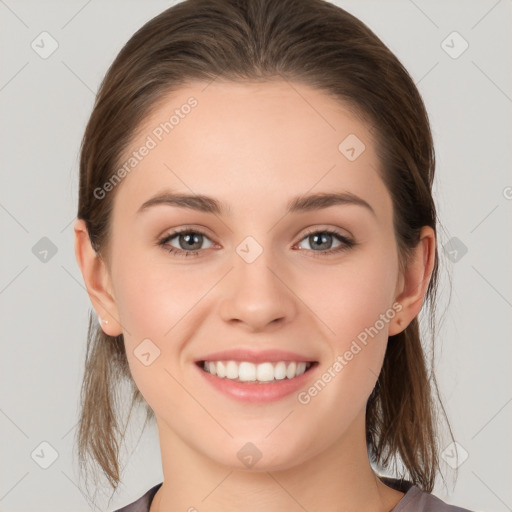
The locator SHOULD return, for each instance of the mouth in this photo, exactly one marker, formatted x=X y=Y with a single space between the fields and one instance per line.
x=256 y=376
x=266 y=372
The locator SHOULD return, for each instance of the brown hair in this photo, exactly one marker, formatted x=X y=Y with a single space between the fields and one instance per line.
x=308 y=41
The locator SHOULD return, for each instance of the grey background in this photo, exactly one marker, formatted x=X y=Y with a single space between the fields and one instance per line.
x=45 y=103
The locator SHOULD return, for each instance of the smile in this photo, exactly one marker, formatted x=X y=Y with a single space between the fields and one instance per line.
x=245 y=371
x=229 y=380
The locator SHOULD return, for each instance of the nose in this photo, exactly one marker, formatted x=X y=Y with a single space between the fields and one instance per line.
x=256 y=295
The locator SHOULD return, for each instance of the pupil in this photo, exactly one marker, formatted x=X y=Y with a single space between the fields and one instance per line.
x=190 y=240
x=324 y=238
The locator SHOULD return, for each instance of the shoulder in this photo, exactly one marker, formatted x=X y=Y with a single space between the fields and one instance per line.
x=416 y=500
x=143 y=503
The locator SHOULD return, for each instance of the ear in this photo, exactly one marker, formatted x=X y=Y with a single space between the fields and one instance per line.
x=413 y=282
x=97 y=280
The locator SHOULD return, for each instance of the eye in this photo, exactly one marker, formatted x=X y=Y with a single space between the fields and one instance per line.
x=321 y=241
x=189 y=242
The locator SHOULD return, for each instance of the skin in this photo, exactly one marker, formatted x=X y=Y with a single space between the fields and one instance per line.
x=255 y=146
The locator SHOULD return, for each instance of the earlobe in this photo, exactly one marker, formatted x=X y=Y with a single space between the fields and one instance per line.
x=413 y=283
x=97 y=280
x=396 y=326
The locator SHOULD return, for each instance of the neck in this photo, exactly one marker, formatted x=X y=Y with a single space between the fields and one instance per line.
x=339 y=479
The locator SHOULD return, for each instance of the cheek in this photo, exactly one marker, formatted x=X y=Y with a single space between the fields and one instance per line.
x=350 y=297
x=355 y=302
x=154 y=297
x=153 y=302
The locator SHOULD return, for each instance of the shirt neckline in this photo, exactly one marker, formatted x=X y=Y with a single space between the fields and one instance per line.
x=410 y=491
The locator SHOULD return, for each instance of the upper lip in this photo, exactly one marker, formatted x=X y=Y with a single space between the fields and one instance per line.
x=253 y=356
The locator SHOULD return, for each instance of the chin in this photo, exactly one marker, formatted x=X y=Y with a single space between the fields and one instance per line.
x=259 y=455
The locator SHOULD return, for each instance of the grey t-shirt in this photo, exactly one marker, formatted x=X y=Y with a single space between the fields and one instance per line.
x=414 y=500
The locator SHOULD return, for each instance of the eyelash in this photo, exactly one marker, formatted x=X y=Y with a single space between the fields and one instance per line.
x=347 y=243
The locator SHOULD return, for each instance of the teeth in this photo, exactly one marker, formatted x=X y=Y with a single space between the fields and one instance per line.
x=245 y=371
x=221 y=368
x=292 y=370
x=231 y=370
x=265 y=372
x=280 y=370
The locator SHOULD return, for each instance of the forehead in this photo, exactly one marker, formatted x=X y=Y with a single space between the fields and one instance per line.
x=247 y=140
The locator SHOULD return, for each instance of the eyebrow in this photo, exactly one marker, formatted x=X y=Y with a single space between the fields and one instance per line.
x=297 y=204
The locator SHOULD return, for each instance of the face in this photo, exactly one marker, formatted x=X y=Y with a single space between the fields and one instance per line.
x=259 y=273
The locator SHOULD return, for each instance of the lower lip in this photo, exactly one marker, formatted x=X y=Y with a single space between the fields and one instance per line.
x=254 y=392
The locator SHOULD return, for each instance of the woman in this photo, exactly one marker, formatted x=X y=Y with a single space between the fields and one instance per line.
x=257 y=234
